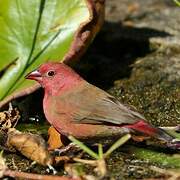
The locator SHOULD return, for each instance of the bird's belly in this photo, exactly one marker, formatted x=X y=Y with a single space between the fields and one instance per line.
x=87 y=131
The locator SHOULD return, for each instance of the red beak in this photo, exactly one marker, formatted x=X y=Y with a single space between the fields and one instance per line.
x=34 y=75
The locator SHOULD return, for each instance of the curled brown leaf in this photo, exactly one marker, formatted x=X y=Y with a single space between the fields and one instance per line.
x=86 y=32
x=30 y=145
x=54 y=141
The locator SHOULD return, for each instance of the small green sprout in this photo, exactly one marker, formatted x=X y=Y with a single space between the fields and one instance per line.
x=100 y=154
x=177 y=2
x=84 y=147
x=99 y=157
x=117 y=144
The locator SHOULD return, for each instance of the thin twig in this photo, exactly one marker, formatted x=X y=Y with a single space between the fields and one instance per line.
x=174 y=175
x=25 y=175
x=85 y=161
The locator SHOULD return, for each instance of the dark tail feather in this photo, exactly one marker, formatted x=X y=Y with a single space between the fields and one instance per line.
x=163 y=135
x=174 y=144
x=171 y=141
x=158 y=133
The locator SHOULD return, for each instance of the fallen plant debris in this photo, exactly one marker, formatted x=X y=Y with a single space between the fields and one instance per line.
x=169 y=174
x=9 y=118
x=32 y=146
x=55 y=139
x=5 y=171
x=99 y=162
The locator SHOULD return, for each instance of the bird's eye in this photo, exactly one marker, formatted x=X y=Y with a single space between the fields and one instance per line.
x=50 y=73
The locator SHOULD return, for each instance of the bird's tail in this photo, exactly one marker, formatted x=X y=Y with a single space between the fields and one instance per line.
x=171 y=141
x=158 y=133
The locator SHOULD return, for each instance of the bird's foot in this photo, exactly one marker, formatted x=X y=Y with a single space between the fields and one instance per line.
x=51 y=168
x=58 y=152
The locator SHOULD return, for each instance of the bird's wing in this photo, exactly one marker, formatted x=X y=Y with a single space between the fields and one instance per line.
x=94 y=106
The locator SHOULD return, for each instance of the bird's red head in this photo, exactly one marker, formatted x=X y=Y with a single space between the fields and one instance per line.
x=54 y=76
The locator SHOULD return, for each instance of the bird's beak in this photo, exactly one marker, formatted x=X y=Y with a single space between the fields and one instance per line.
x=34 y=75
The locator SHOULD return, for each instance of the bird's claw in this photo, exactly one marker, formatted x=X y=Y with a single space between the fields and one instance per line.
x=58 y=152
x=51 y=168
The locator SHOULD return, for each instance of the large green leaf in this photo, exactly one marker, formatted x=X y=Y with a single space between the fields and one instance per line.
x=33 y=32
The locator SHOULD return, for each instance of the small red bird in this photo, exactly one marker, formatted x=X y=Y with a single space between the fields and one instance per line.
x=75 y=107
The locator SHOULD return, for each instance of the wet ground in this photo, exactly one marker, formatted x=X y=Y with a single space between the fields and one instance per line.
x=135 y=57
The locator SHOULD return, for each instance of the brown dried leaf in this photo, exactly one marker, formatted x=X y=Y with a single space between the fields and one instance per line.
x=54 y=140
x=59 y=159
x=86 y=32
x=30 y=145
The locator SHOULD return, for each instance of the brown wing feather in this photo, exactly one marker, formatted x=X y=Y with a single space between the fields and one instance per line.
x=94 y=106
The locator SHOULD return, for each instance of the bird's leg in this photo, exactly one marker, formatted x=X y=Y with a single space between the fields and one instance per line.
x=64 y=149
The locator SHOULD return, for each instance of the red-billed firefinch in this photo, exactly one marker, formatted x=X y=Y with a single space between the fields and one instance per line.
x=75 y=107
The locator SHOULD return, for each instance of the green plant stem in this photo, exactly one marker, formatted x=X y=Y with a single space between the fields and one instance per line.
x=84 y=147
x=177 y=2
x=117 y=144
x=100 y=151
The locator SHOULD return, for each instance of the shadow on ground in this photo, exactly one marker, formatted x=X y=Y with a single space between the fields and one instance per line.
x=114 y=51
